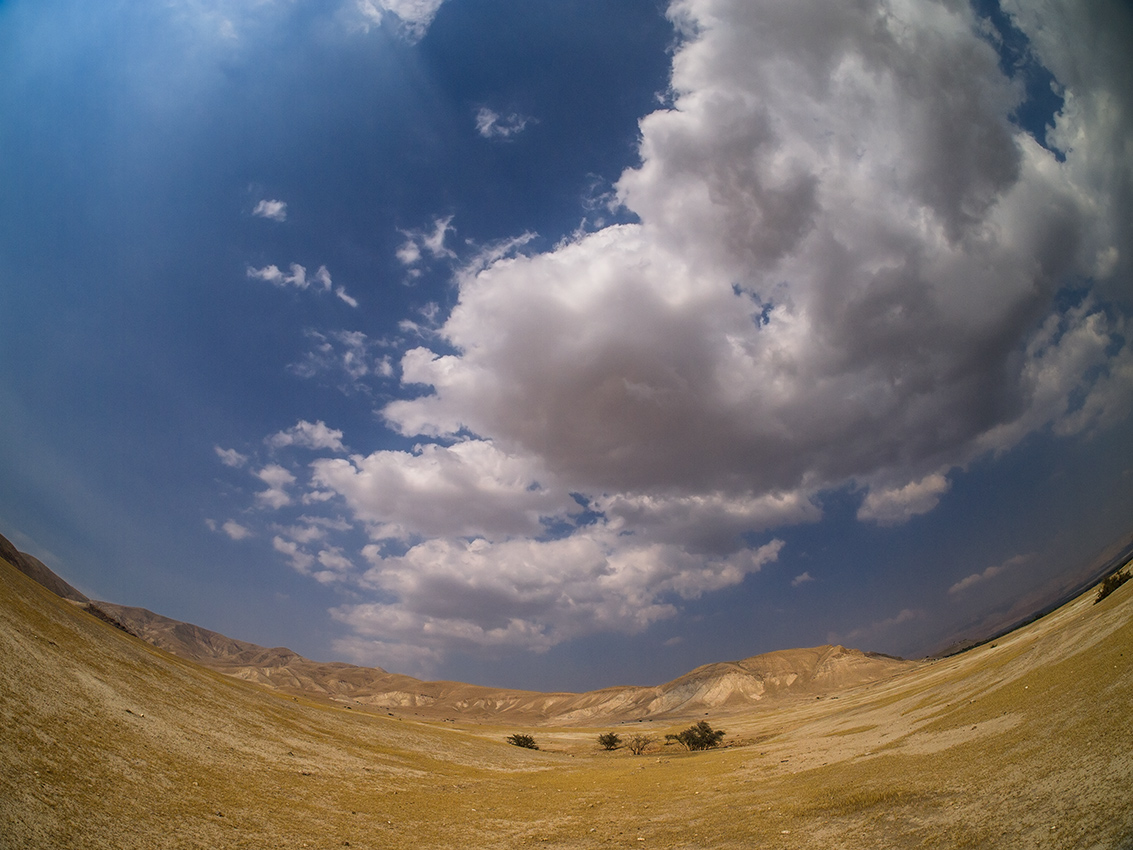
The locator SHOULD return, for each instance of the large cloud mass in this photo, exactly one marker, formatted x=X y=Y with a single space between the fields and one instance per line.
x=844 y=274
x=844 y=245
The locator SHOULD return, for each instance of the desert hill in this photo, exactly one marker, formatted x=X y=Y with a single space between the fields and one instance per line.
x=38 y=571
x=110 y=742
x=719 y=687
x=1012 y=745
x=796 y=673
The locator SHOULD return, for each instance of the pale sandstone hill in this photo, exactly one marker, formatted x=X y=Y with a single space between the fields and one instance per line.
x=794 y=673
x=110 y=743
x=720 y=687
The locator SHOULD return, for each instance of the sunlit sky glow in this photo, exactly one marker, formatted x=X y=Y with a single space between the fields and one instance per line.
x=559 y=345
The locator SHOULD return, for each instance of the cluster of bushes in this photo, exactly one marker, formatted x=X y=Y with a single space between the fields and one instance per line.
x=1110 y=583
x=525 y=741
x=636 y=744
x=699 y=737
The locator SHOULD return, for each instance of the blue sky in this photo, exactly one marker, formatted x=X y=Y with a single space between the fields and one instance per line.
x=567 y=344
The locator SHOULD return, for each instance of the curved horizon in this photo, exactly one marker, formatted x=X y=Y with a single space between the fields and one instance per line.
x=547 y=343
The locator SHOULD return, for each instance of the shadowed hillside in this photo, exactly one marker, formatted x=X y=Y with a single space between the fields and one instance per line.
x=110 y=742
x=37 y=570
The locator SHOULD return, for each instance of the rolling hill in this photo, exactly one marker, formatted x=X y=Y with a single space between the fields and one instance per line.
x=787 y=674
x=111 y=742
x=796 y=673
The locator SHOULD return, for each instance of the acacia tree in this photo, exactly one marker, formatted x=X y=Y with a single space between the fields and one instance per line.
x=637 y=743
x=698 y=737
x=609 y=740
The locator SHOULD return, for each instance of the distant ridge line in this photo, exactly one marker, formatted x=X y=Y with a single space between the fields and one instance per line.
x=38 y=571
x=791 y=674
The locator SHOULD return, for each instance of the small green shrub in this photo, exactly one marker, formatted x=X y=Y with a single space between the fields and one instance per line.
x=698 y=737
x=521 y=740
x=609 y=740
x=1110 y=583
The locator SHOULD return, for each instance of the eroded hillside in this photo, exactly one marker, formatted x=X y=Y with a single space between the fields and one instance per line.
x=111 y=742
x=721 y=687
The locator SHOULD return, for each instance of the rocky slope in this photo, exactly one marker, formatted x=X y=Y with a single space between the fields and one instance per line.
x=717 y=688
x=35 y=569
x=795 y=673
x=109 y=742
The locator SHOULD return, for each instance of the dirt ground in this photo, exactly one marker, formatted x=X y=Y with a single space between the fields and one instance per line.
x=107 y=742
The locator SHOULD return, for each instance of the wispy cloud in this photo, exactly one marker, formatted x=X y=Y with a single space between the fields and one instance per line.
x=300 y=560
x=230 y=457
x=350 y=358
x=877 y=629
x=233 y=529
x=491 y=125
x=297 y=277
x=274 y=210
x=327 y=566
x=990 y=573
x=419 y=242
x=486 y=255
x=801 y=579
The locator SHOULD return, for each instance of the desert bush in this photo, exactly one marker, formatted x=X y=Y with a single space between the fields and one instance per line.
x=609 y=740
x=698 y=737
x=1110 y=583
x=637 y=743
x=521 y=740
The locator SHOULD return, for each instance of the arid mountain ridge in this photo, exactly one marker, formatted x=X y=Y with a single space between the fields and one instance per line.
x=793 y=674
x=788 y=673
x=111 y=742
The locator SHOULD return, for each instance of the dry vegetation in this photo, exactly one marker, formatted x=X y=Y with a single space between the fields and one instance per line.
x=109 y=742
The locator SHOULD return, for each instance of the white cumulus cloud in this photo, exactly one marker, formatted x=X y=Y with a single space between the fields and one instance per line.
x=414 y=15
x=842 y=275
x=842 y=254
x=278 y=480
x=475 y=594
x=235 y=530
x=308 y=435
x=892 y=506
x=470 y=489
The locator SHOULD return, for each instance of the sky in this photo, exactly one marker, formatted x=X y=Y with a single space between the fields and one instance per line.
x=560 y=344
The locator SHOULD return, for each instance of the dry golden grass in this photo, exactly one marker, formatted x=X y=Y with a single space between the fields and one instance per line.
x=106 y=742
